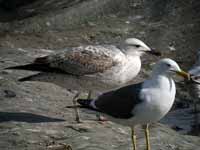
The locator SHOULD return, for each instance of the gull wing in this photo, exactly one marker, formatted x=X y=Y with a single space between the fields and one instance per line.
x=77 y=61
x=121 y=102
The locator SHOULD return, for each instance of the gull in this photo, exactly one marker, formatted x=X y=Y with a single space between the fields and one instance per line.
x=142 y=103
x=91 y=67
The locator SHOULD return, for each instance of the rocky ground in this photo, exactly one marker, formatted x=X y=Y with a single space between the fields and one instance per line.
x=34 y=116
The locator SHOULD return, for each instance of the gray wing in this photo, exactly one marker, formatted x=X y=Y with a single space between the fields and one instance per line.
x=121 y=102
x=82 y=60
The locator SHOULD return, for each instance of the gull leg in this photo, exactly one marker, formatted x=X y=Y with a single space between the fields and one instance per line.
x=133 y=138
x=147 y=137
x=89 y=95
x=76 y=108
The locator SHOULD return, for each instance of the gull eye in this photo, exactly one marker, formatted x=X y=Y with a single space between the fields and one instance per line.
x=137 y=46
x=169 y=65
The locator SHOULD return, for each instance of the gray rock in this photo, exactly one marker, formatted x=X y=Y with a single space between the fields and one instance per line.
x=38 y=119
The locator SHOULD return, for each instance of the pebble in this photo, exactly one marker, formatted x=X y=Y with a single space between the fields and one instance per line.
x=9 y=94
x=172 y=48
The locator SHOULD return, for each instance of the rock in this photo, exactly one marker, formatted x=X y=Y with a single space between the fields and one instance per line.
x=9 y=93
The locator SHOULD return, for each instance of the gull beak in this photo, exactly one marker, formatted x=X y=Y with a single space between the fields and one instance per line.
x=154 y=52
x=183 y=74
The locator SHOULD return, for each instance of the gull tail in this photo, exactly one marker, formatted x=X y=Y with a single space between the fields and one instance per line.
x=29 y=78
x=85 y=103
x=40 y=64
x=37 y=67
x=31 y=67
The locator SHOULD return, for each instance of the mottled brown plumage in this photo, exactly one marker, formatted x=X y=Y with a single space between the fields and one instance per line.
x=81 y=60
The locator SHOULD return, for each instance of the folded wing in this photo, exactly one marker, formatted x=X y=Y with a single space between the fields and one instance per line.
x=77 y=61
x=118 y=103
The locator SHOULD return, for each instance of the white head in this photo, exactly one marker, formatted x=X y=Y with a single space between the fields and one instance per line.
x=137 y=47
x=168 y=67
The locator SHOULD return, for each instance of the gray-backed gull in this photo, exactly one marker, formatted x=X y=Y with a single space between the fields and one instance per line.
x=141 y=103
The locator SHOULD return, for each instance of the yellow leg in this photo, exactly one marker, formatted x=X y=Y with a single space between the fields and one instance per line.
x=147 y=137
x=89 y=95
x=133 y=138
x=76 y=108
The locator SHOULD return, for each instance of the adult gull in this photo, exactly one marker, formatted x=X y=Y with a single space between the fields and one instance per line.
x=141 y=103
x=90 y=68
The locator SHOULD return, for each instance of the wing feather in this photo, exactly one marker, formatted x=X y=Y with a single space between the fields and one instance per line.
x=82 y=60
x=121 y=102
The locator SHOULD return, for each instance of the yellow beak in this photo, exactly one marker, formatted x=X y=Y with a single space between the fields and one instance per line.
x=183 y=74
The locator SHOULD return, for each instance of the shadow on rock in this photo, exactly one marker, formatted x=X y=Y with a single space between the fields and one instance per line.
x=26 y=117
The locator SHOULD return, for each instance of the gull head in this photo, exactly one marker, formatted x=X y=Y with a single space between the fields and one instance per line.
x=169 y=68
x=136 y=47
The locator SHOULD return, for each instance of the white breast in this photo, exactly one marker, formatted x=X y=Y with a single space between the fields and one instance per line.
x=158 y=100
x=122 y=73
x=131 y=69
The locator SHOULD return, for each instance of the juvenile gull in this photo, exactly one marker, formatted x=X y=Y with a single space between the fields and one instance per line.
x=90 y=68
x=141 y=103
